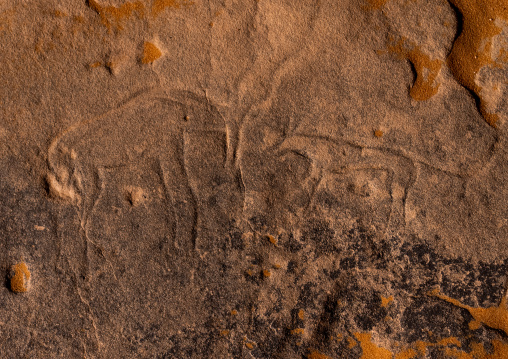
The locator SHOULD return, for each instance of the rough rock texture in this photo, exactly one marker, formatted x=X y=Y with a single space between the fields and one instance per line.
x=254 y=179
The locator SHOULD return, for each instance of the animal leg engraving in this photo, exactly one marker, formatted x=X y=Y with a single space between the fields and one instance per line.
x=184 y=203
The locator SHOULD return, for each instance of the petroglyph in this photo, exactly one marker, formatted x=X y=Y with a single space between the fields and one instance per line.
x=256 y=179
x=150 y=126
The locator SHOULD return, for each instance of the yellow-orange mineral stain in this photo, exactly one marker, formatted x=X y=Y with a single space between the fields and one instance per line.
x=425 y=85
x=493 y=317
x=113 y=17
x=150 y=53
x=472 y=49
x=371 y=350
x=21 y=277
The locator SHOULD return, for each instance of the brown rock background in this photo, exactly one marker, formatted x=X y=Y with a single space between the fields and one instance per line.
x=258 y=179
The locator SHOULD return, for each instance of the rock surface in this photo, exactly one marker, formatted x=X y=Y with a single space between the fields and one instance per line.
x=254 y=179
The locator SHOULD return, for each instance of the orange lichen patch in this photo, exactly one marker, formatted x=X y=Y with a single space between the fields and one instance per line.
x=249 y=345
x=426 y=69
x=249 y=272
x=224 y=332
x=500 y=351
x=458 y=354
x=493 y=317
x=272 y=239
x=150 y=53
x=298 y=331
x=378 y=133
x=160 y=5
x=421 y=346
x=371 y=350
x=406 y=354
x=478 y=350
x=20 y=279
x=474 y=325
x=472 y=49
x=449 y=341
x=95 y=64
x=277 y=266
x=385 y=301
x=234 y=312
x=113 y=17
x=314 y=354
x=267 y=273
x=301 y=314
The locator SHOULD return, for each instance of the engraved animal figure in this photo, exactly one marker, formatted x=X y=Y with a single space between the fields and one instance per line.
x=151 y=127
x=369 y=183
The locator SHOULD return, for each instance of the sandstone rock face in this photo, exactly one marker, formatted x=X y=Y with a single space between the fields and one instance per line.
x=254 y=179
